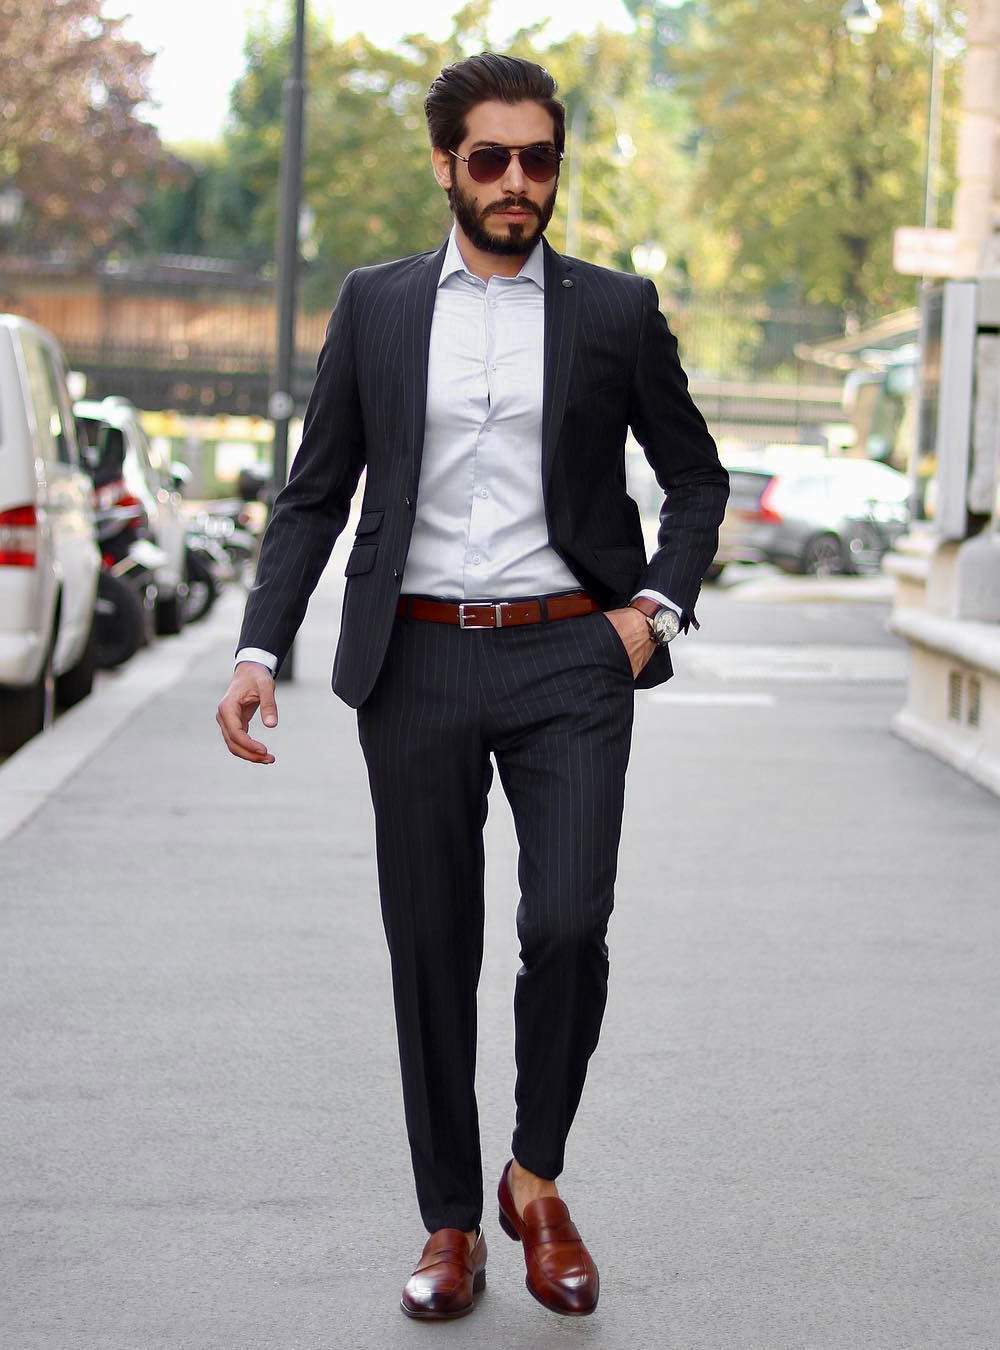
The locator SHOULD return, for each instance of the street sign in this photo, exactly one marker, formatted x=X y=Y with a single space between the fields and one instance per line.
x=924 y=253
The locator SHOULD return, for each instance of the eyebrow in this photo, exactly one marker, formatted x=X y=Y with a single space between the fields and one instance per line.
x=528 y=145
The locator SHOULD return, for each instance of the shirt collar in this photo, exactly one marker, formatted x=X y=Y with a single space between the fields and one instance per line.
x=533 y=269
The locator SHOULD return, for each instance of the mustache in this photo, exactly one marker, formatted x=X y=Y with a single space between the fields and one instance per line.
x=512 y=204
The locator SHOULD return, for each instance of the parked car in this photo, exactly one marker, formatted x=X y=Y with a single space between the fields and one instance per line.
x=812 y=514
x=49 y=560
x=128 y=473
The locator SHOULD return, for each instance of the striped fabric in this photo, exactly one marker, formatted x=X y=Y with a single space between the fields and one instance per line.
x=552 y=704
x=610 y=362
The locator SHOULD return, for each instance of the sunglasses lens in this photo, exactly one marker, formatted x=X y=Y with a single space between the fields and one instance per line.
x=539 y=165
x=486 y=166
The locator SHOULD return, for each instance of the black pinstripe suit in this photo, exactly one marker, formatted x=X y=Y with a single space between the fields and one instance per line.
x=551 y=703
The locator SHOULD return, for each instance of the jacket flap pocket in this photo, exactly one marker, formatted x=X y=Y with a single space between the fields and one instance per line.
x=361 y=559
x=369 y=521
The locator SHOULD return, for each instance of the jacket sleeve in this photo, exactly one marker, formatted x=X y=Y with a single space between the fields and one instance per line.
x=683 y=455
x=312 y=509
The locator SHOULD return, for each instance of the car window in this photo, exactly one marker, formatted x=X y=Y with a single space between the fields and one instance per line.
x=746 y=488
x=55 y=436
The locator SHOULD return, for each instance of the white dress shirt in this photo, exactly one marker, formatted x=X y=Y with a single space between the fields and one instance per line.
x=479 y=528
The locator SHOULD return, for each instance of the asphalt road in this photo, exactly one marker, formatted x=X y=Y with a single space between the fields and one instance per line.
x=788 y=1138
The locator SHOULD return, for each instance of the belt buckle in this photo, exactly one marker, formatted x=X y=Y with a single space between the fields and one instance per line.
x=467 y=604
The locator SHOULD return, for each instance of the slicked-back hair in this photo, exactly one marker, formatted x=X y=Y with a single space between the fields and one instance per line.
x=483 y=79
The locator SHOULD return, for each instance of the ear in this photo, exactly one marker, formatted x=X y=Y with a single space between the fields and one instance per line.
x=442 y=162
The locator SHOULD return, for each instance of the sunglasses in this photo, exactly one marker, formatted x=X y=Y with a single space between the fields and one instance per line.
x=538 y=162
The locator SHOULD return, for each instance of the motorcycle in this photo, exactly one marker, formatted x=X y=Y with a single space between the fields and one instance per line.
x=125 y=610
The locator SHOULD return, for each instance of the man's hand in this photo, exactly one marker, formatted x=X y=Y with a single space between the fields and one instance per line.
x=632 y=628
x=251 y=687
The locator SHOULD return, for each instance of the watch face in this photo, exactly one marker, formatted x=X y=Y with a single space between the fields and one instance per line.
x=666 y=625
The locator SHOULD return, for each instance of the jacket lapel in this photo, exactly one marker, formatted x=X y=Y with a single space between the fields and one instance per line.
x=418 y=312
x=561 y=309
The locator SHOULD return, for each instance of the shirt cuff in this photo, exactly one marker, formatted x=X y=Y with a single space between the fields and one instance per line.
x=261 y=657
x=660 y=600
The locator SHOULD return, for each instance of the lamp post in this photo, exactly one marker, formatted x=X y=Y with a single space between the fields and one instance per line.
x=281 y=404
x=861 y=17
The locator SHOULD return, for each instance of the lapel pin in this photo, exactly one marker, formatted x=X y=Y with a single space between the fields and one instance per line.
x=567 y=282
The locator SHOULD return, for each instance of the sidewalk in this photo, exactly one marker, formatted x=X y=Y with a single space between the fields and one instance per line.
x=789 y=1134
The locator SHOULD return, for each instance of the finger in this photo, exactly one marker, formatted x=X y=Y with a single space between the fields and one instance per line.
x=268 y=708
x=239 y=743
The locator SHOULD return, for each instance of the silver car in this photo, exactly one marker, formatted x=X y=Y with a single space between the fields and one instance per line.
x=812 y=514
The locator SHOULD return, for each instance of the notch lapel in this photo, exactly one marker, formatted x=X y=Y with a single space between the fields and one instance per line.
x=418 y=313
x=561 y=309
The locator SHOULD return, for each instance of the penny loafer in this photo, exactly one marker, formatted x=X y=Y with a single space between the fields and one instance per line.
x=560 y=1271
x=447 y=1278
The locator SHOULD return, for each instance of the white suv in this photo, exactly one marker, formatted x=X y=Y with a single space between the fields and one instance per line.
x=49 y=560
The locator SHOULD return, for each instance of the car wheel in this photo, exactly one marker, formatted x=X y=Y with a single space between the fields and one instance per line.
x=715 y=571
x=823 y=556
x=26 y=712
x=73 y=685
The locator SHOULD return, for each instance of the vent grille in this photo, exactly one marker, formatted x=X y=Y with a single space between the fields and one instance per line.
x=975 y=701
x=955 y=695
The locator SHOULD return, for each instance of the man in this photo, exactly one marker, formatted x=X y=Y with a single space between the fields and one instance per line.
x=498 y=602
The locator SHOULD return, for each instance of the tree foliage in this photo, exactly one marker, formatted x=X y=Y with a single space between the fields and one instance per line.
x=71 y=135
x=812 y=143
x=753 y=143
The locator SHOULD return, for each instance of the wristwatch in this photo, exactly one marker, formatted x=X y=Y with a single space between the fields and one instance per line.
x=664 y=623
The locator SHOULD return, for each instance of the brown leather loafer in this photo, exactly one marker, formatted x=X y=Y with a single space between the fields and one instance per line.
x=447 y=1277
x=560 y=1271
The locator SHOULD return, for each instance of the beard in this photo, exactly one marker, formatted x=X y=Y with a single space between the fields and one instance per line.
x=516 y=239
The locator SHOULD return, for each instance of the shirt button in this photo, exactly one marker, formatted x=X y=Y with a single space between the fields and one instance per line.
x=483 y=492
x=475 y=557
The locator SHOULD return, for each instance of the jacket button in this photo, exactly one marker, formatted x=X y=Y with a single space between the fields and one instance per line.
x=396 y=574
x=407 y=502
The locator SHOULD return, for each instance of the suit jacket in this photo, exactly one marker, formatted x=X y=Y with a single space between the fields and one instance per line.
x=610 y=362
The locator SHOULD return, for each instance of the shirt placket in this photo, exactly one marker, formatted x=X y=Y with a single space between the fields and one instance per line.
x=477 y=553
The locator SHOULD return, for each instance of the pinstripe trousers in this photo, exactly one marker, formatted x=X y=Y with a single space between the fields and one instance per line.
x=552 y=704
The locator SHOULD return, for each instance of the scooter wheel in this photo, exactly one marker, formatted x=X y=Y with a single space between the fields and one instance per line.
x=118 y=622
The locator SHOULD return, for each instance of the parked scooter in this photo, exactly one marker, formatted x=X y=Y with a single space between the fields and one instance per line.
x=125 y=610
x=208 y=569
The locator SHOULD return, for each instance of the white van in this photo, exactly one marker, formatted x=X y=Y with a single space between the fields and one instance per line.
x=49 y=559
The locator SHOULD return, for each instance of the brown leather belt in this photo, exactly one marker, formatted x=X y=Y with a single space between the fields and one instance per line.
x=503 y=614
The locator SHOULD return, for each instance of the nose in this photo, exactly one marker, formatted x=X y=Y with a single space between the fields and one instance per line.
x=513 y=180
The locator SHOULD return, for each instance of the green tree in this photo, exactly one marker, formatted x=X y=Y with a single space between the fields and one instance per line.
x=812 y=146
x=367 y=177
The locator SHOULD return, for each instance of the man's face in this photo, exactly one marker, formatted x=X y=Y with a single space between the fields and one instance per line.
x=508 y=215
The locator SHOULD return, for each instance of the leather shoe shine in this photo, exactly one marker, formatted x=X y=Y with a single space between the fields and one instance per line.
x=447 y=1278
x=560 y=1271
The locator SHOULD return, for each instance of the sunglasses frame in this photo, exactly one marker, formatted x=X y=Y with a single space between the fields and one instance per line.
x=511 y=151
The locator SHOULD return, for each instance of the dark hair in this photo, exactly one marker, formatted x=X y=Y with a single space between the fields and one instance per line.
x=480 y=79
